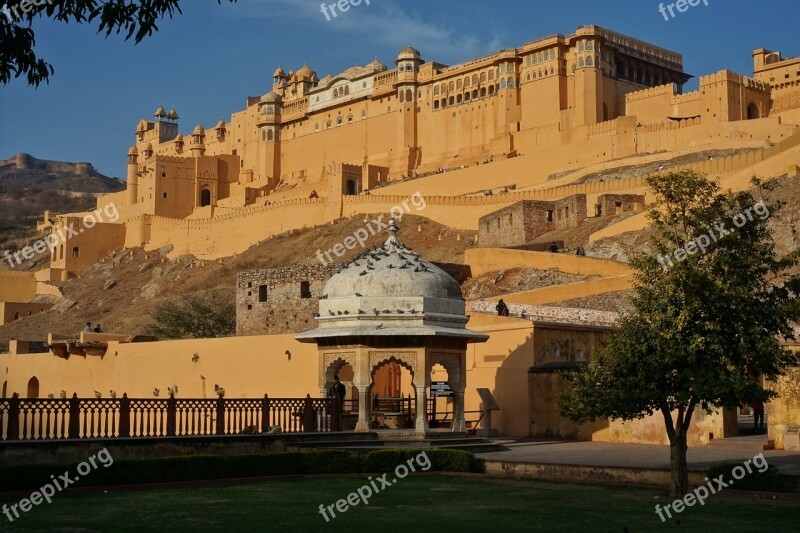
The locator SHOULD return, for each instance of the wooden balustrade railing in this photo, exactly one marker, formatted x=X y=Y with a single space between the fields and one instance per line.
x=104 y=418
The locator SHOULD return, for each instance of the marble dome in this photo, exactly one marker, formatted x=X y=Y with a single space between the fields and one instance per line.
x=391 y=291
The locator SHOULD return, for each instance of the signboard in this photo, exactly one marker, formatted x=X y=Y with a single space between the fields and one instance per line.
x=489 y=403
x=440 y=389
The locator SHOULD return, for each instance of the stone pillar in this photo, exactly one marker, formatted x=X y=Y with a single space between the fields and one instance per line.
x=459 y=424
x=364 y=408
x=421 y=424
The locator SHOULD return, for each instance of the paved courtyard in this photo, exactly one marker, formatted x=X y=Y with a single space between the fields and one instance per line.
x=631 y=455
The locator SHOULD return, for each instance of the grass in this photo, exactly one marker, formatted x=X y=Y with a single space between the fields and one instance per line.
x=435 y=502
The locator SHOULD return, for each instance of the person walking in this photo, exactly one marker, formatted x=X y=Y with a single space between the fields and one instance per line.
x=758 y=415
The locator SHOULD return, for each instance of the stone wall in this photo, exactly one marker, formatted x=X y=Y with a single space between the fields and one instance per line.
x=614 y=204
x=284 y=300
x=280 y=300
x=570 y=212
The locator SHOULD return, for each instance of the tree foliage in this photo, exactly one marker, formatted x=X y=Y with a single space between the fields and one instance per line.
x=135 y=19
x=706 y=326
x=194 y=318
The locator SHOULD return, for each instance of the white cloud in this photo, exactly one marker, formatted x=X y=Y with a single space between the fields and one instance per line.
x=383 y=23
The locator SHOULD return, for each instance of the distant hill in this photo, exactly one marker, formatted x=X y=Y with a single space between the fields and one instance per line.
x=30 y=186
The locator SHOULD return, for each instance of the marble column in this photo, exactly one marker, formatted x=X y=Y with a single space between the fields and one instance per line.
x=364 y=409
x=459 y=424
x=421 y=425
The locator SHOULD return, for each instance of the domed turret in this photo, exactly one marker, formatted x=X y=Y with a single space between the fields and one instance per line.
x=160 y=113
x=279 y=73
x=173 y=115
x=376 y=66
x=409 y=52
x=306 y=73
x=392 y=290
x=271 y=98
x=198 y=130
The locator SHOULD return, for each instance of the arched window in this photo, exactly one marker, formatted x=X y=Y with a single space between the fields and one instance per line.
x=435 y=105
x=444 y=102
x=351 y=188
x=475 y=94
x=581 y=46
x=483 y=92
x=33 y=387
x=61 y=252
x=510 y=83
x=752 y=111
x=483 y=77
x=451 y=86
x=436 y=91
x=5 y=389
x=459 y=99
x=466 y=97
x=503 y=83
x=552 y=70
x=491 y=90
x=458 y=85
x=270 y=135
x=444 y=88
x=475 y=79
x=528 y=77
x=205 y=197
x=451 y=101
x=402 y=96
x=339 y=120
x=409 y=95
x=552 y=54
x=540 y=73
x=580 y=62
x=328 y=124
x=363 y=114
x=491 y=75
x=76 y=252
x=466 y=82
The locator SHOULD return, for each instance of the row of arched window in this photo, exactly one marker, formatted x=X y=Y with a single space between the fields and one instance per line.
x=468 y=81
x=59 y=252
x=540 y=56
x=465 y=98
x=341 y=91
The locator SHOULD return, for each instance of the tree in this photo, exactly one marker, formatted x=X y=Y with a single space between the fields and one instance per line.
x=194 y=318
x=711 y=304
x=136 y=18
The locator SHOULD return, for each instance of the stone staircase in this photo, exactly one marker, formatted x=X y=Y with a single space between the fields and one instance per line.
x=378 y=440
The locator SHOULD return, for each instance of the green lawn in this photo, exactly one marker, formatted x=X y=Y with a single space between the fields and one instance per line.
x=424 y=503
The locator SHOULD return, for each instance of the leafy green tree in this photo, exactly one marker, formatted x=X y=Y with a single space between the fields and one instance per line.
x=137 y=19
x=706 y=324
x=194 y=318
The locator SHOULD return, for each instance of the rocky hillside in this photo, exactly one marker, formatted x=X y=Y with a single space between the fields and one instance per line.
x=29 y=186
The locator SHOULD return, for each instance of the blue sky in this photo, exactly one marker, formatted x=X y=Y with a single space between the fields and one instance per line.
x=207 y=61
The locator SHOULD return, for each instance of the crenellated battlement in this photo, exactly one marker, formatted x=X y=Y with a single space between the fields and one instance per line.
x=668 y=89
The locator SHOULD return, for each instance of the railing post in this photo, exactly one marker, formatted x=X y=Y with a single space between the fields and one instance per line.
x=308 y=416
x=220 y=415
x=172 y=409
x=74 y=431
x=125 y=416
x=13 y=417
x=265 y=414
